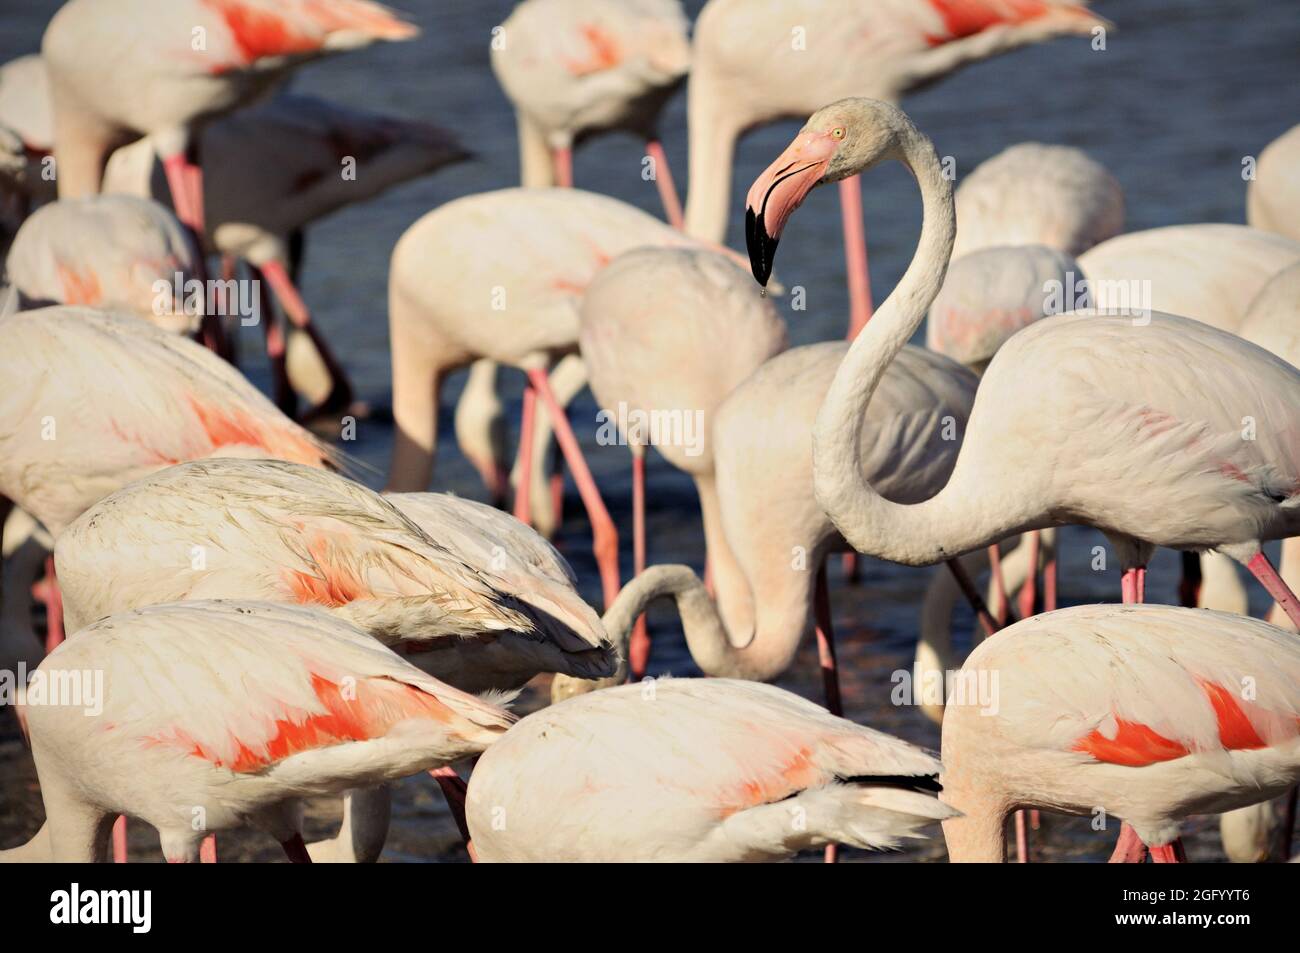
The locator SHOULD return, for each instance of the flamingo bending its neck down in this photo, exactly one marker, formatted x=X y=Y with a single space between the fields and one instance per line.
x=695 y=770
x=228 y=713
x=1149 y=713
x=760 y=61
x=1137 y=422
x=114 y=252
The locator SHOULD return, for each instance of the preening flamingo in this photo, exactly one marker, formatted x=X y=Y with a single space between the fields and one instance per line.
x=114 y=252
x=287 y=533
x=205 y=58
x=1145 y=713
x=666 y=334
x=274 y=169
x=1273 y=195
x=94 y=400
x=1157 y=430
x=453 y=298
x=709 y=770
x=759 y=61
x=215 y=715
x=573 y=68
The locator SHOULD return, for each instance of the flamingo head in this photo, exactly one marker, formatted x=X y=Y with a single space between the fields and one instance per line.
x=838 y=141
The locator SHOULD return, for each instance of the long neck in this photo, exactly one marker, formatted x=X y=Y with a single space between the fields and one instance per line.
x=706 y=637
x=978 y=836
x=918 y=534
x=713 y=133
x=734 y=595
x=35 y=851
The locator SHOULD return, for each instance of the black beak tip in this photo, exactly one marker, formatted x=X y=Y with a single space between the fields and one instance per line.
x=761 y=246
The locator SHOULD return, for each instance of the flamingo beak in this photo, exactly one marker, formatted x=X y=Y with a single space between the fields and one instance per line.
x=778 y=192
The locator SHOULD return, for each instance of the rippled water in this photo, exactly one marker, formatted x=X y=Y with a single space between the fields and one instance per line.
x=1183 y=92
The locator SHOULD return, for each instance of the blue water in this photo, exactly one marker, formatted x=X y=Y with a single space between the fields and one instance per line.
x=1185 y=89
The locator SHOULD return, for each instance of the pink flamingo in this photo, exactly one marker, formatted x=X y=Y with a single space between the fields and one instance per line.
x=1138 y=711
x=217 y=715
x=760 y=61
x=690 y=769
x=453 y=298
x=207 y=57
x=113 y=252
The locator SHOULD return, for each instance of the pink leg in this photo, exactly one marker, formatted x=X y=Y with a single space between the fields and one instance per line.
x=1129 y=849
x=523 y=495
x=851 y=565
x=1000 y=601
x=855 y=255
x=1029 y=591
x=47 y=590
x=557 y=490
x=604 y=535
x=563 y=160
x=989 y=624
x=1022 y=839
x=1049 y=584
x=119 y=841
x=296 y=311
x=175 y=167
x=830 y=670
x=1276 y=586
x=453 y=789
x=664 y=182
x=1133 y=585
x=296 y=850
x=1169 y=853
x=208 y=850
x=639 y=646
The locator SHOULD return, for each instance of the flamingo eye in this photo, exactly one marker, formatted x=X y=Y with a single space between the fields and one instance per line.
x=837 y=132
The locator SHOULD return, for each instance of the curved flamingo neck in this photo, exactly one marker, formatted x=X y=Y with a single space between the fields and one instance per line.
x=713 y=130
x=922 y=533
x=706 y=636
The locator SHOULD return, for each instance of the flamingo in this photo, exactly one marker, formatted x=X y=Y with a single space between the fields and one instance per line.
x=706 y=770
x=453 y=299
x=26 y=177
x=1148 y=713
x=760 y=61
x=273 y=169
x=573 y=68
x=1273 y=195
x=670 y=332
x=114 y=252
x=1142 y=442
x=94 y=400
x=216 y=715
x=206 y=58
x=1034 y=193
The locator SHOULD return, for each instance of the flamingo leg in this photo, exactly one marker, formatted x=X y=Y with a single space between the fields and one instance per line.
x=1129 y=849
x=639 y=645
x=1277 y=588
x=295 y=309
x=1029 y=592
x=664 y=183
x=296 y=850
x=1172 y=853
x=855 y=255
x=276 y=348
x=989 y=624
x=604 y=535
x=563 y=161
x=557 y=489
x=453 y=789
x=1000 y=600
x=208 y=850
x=851 y=565
x=119 y=841
x=830 y=670
x=1022 y=838
x=523 y=495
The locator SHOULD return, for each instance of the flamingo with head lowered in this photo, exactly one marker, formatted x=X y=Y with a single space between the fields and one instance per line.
x=1155 y=429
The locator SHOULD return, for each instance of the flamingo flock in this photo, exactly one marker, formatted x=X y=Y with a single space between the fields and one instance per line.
x=236 y=625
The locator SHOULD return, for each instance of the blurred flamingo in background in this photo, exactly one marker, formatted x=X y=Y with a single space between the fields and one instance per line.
x=761 y=61
x=1273 y=195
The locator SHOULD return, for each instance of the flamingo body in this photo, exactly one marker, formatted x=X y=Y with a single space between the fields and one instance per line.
x=1273 y=195
x=693 y=770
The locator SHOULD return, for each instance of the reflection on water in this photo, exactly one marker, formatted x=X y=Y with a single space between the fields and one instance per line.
x=1182 y=93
